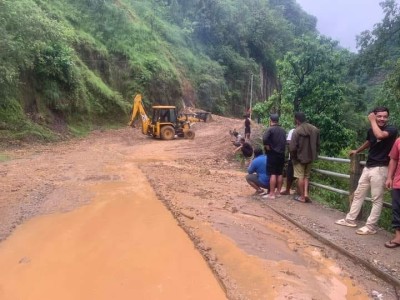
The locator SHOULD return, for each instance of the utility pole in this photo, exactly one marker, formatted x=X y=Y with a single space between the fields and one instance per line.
x=251 y=94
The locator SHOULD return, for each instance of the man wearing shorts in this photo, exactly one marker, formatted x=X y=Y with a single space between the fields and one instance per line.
x=304 y=149
x=274 y=140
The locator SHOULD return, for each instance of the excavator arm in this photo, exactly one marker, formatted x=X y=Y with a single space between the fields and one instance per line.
x=138 y=109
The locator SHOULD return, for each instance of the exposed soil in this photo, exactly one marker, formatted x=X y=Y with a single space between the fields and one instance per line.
x=254 y=252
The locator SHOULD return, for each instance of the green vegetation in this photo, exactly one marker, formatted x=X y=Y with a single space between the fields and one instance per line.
x=4 y=157
x=68 y=61
x=375 y=77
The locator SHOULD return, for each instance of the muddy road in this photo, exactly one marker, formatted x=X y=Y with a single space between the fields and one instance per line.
x=118 y=215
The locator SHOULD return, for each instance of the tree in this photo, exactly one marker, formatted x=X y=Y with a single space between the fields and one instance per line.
x=313 y=79
x=382 y=43
x=380 y=57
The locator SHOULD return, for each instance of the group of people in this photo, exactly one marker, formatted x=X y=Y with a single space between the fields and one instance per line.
x=243 y=144
x=303 y=142
x=266 y=170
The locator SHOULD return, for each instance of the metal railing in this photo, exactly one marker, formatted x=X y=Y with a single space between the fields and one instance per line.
x=356 y=164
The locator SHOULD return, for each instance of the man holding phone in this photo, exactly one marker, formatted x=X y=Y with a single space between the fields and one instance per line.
x=380 y=139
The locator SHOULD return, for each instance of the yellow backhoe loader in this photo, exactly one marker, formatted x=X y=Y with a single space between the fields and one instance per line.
x=164 y=124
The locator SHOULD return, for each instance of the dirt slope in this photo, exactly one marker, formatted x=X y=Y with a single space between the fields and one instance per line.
x=255 y=253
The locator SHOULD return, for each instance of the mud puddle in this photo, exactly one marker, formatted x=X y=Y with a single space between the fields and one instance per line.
x=123 y=245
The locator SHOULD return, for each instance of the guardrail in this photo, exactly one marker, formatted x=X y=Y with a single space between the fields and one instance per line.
x=356 y=164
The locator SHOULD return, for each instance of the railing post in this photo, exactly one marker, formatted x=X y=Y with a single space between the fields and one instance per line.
x=355 y=173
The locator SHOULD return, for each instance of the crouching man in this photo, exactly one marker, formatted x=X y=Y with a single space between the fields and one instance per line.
x=257 y=170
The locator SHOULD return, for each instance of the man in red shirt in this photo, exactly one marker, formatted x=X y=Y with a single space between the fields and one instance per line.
x=393 y=182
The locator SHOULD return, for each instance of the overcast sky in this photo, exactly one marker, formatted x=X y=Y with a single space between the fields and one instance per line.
x=343 y=20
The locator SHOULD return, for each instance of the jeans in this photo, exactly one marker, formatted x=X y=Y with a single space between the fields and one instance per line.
x=396 y=209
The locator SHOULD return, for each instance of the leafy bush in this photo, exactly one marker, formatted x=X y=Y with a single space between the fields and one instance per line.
x=15 y=125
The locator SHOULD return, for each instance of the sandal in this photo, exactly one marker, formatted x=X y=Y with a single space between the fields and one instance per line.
x=343 y=222
x=392 y=244
x=365 y=231
x=298 y=199
x=259 y=192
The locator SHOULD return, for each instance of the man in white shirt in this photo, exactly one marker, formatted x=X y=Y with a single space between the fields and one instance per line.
x=289 y=169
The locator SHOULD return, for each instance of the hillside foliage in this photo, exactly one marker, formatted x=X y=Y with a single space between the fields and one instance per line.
x=67 y=66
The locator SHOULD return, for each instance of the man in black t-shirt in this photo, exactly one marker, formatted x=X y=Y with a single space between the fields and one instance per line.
x=274 y=140
x=246 y=148
x=380 y=139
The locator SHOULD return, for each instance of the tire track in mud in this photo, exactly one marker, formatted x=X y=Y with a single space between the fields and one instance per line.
x=214 y=218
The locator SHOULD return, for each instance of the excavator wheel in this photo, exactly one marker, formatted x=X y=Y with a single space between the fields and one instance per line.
x=167 y=132
x=189 y=135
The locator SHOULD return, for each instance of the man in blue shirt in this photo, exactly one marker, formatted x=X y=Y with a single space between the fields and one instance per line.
x=257 y=170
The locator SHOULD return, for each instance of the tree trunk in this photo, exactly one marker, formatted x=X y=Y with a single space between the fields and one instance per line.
x=296 y=104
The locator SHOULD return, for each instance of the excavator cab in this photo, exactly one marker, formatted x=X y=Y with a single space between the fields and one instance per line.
x=166 y=124
x=164 y=114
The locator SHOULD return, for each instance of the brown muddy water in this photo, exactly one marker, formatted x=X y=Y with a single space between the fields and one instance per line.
x=124 y=245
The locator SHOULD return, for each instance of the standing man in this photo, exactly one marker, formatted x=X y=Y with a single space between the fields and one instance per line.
x=289 y=169
x=393 y=182
x=304 y=149
x=274 y=140
x=247 y=127
x=380 y=139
